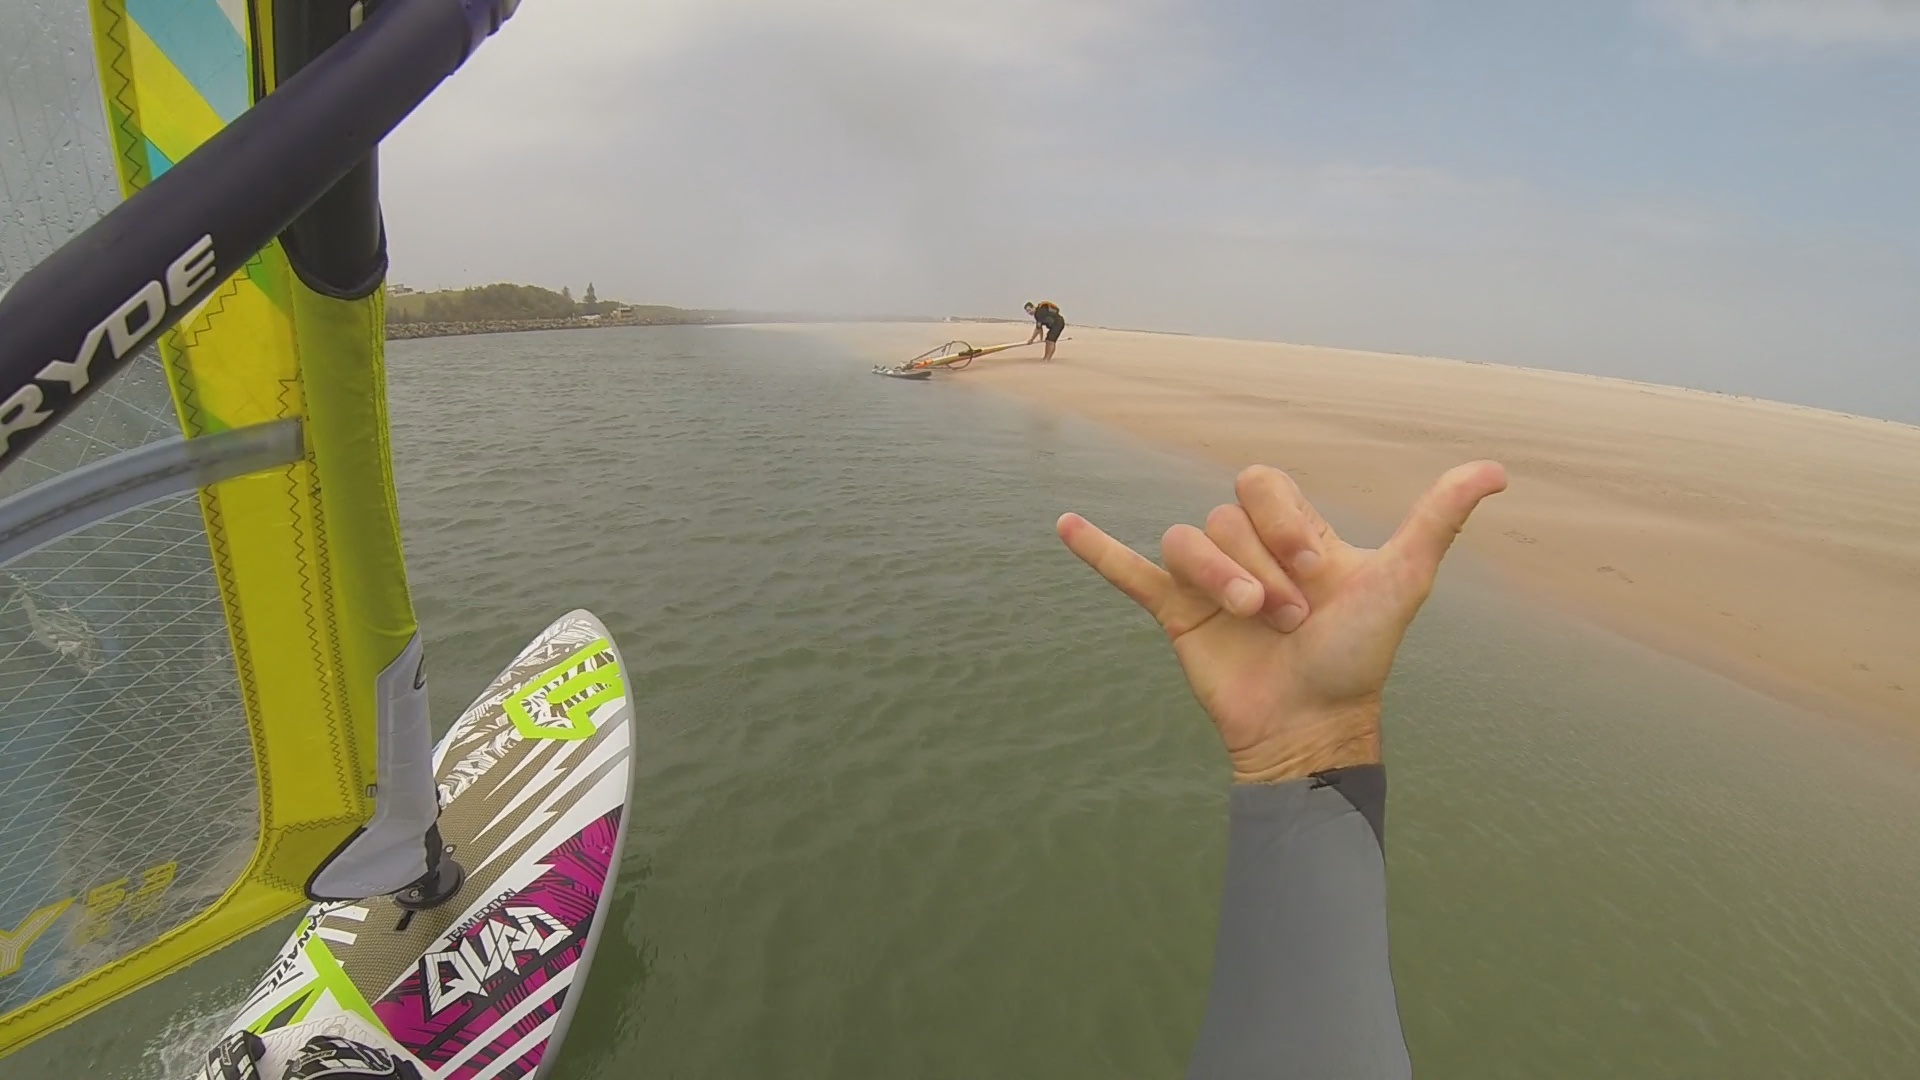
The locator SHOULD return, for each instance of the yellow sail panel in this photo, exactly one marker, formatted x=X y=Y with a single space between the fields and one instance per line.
x=298 y=570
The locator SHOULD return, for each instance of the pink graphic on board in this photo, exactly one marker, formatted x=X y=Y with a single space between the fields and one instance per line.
x=506 y=959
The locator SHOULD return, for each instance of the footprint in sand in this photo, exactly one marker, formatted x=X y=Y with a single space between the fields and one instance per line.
x=1858 y=666
x=1617 y=573
x=1519 y=537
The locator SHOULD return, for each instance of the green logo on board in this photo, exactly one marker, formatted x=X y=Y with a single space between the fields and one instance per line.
x=559 y=703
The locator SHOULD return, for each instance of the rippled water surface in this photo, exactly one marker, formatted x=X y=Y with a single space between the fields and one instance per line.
x=919 y=797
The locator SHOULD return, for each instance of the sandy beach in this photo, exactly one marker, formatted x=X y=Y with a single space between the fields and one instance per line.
x=1776 y=544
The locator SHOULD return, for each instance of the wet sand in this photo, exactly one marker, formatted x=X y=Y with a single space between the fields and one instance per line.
x=1776 y=544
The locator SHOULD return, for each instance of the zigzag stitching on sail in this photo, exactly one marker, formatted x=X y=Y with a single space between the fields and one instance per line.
x=186 y=393
x=332 y=827
x=194 y=416
x=194 y=422
x=215 y=305
x=131 y=137
x=182 y=339
x=323 y=566
x=303 y=557
x=308 y=560
x=376 y=348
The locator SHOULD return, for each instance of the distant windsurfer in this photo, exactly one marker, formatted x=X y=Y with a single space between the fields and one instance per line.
x=1046 y=317
x=1286 y=634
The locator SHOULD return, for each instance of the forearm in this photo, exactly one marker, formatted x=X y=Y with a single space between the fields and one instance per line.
x=1301 y=985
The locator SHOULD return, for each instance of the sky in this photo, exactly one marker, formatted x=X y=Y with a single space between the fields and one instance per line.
x=1723 y=194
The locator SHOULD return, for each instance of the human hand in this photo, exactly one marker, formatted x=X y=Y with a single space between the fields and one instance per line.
x=1286 y=632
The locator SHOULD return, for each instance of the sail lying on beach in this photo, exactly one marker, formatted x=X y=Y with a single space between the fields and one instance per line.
x=212 y=701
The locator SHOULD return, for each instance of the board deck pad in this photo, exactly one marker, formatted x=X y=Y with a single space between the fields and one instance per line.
x=534 y=780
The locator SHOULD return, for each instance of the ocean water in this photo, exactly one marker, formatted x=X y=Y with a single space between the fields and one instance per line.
x=919 y=796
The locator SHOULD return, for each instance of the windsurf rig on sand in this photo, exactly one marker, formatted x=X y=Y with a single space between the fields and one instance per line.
x=953 y=356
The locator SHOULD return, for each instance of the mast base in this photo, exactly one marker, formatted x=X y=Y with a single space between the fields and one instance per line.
x=435 y=887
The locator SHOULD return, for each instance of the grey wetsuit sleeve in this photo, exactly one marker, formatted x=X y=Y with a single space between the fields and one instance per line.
x=1301 y=986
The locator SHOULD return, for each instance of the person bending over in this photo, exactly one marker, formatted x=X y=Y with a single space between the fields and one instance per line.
x=1286 y=634
x=1046 y=316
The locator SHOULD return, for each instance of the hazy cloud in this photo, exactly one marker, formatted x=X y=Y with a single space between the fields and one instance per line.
x=750 y=151
x=1719 y=26
x=862 y=156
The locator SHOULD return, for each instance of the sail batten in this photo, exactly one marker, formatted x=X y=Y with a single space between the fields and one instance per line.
x=82 y=496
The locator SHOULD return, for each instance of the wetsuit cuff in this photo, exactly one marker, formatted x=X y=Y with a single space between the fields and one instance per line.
x=1363 y=787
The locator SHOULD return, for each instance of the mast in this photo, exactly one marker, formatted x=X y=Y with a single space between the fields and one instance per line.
x=210 y=667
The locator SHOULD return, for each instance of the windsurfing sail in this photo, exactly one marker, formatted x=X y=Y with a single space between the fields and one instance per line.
x=212 y=694
x=954 y=356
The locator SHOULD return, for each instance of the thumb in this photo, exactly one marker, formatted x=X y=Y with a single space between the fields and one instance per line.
x=1438 y=516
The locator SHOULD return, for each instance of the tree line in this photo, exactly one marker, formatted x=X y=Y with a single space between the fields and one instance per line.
x=491 y=303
